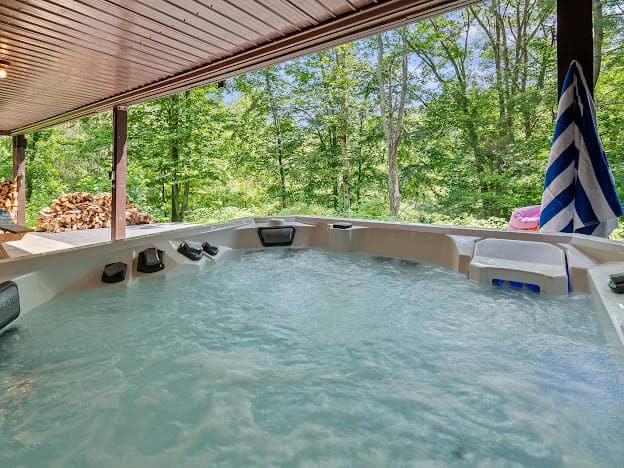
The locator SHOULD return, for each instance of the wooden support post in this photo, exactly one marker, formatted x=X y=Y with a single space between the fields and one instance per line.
x=575 y=38
x=19 y=173
x=118 y=174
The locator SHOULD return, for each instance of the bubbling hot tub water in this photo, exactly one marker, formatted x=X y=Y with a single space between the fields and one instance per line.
x=295 y=356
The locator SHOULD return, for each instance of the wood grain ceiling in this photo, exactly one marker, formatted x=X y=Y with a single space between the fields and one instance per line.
x=71 y=58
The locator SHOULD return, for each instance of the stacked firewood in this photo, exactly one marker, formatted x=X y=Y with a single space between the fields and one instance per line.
x=8 y=197
x=83 y=210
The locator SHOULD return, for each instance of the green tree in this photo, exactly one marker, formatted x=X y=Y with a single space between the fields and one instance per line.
x=171 y=139
x=392 y=89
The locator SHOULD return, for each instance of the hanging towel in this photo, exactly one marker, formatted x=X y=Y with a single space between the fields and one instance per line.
x=579 y=191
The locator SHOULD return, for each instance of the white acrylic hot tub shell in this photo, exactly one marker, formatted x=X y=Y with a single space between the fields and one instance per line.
x=589 y=260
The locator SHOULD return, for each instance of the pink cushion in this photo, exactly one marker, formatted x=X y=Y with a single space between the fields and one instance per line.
x=525 y=218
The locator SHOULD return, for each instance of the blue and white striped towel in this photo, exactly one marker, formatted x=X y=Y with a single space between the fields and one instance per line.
x=579 y=191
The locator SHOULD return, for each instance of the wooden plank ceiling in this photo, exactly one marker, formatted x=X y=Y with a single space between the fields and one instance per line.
x=70 y=58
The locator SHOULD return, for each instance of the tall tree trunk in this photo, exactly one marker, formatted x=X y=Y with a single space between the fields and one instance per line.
x=392 y=116
x=178 y=124
x=173 y=123
x=346 y=173
x=278 y=136
x=598 y=38
x=177 y=214
x=346 y=163
x=185 y=197
x=393 y=180
x=358 y=187
x=343 y=126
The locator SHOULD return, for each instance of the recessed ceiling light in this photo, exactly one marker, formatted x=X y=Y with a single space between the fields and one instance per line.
x=3 y=69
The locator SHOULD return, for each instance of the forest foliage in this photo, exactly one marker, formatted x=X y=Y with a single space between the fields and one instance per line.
x=448 y=120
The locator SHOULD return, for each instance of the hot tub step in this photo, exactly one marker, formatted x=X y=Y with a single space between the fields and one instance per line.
x=533 y=263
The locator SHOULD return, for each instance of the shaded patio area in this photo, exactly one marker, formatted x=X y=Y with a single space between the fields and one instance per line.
x=62 y=72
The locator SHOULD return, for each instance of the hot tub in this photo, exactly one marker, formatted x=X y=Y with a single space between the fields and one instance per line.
x=306 y=340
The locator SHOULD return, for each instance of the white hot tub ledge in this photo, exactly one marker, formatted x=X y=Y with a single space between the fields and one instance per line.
x=521 y=261
x=345 y=240
x=605 y=300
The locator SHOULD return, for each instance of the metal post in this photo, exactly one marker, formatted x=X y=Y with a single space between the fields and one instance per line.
x=575 y=38
x=19 y=173
x=118 y=174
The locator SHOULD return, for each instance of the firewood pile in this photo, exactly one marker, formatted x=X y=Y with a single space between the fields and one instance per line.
x=83 y=210
x=8 y=197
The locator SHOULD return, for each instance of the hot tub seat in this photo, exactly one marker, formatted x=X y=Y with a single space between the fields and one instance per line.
x=535 y=263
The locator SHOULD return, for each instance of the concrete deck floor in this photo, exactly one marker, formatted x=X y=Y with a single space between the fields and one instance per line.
x=41 y=242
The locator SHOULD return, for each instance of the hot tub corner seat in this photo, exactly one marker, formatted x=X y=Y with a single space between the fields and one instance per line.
x=535 y=263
